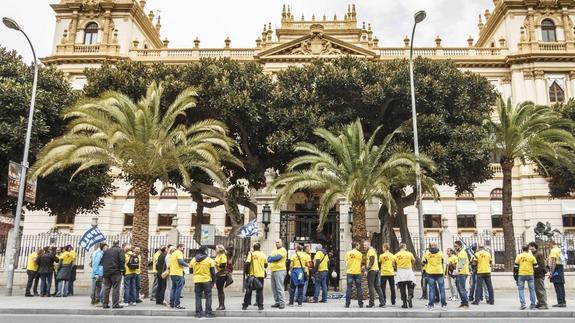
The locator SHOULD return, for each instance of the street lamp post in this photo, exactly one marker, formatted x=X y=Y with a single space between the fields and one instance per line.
x=10 y=23
x=419 y=17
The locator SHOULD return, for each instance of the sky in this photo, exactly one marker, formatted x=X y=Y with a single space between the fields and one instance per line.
x=214 y=20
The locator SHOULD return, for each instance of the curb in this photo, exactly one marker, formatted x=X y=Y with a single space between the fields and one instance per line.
x=301 y=314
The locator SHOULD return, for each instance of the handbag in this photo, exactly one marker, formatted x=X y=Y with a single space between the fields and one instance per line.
x=252 y=282
x=303 y=268
x=229 y=280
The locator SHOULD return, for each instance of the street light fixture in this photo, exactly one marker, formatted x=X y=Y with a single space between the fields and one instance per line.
x=266 y=218
x=419 y=17
x=12 y=24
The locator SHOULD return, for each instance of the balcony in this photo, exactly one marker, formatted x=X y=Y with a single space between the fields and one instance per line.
x=177 y=54
x=443 y=52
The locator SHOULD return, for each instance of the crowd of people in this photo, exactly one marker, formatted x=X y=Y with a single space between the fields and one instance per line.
x=465 y=270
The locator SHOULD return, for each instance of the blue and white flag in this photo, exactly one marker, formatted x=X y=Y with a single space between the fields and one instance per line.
x=250 y=229
x=91 y=237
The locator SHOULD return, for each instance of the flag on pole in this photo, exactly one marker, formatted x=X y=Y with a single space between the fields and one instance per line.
x=250 y=229
x=91 y=237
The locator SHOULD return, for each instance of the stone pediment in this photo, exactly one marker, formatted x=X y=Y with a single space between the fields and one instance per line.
x=315 y=44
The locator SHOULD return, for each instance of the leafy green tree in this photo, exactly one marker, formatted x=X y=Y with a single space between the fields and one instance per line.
x=55 y=193
x=526 y=132
x=351 y=168
x=143 y=143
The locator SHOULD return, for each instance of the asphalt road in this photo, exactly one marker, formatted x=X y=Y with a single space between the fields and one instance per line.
x=120 y=319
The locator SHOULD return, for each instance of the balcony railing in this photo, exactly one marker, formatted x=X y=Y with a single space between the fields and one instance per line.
x=194 y=53
x=553 y=47
x=439 y=51
x=86 y=48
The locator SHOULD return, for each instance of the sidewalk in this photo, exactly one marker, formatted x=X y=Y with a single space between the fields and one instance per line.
x=506 y=305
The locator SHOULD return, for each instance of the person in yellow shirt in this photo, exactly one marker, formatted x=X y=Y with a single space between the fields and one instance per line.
x=373 y=278
x=67 y=258
x=255 y=266
x=138 y=252
x=525 y=263
x=353 y=260
x=154 y=272
x=449 y=269
x=557 y=274
x=277 y=261
x=32 y=272
x=433 y=261
x=177 y=265
x=387 y=264
x=461 y=272
x=72 y=272
x=405 y=277
x=299 y=275
x=132 y=267
x=321 y=260
x=204 y=271
x=221 y=275
x=484 y=262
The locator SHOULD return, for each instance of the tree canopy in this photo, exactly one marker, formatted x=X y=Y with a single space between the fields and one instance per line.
x=57 y=192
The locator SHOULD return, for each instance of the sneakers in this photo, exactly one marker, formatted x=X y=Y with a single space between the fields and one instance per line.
x=523 y=307
x=275 y=306
x=210 y=315
x=180 y=307
x=370 y=305
x=429 y=308
x=261 y=308
x=444 y=307
x=532 y=307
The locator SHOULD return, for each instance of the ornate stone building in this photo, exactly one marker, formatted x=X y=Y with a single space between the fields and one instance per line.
x=525 y=48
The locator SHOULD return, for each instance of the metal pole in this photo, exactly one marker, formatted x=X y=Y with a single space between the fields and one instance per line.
x=22 y=188
x=416 y=149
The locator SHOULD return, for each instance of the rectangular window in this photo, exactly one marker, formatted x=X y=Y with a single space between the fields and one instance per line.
x=496 y=222
x=432 y=221
x=205 y=219
x=165 y=220
x=466 y=221
x=568 y=220
x=64 y=219
x=128 y=220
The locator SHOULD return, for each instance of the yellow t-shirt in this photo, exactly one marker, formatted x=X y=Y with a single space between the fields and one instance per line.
x=387 y=259
x=324 y=261
x=434 y=264
x=463 y=255
x=280 y=264
x=372 y=253
x=201 y=270
x=175 y=268
x=404 y=259
x=32 y=262
x=483 y=262
x=526 y=261
x=353 y=260
x=300 y=259
x=257 y=268
x=127 y=259
x=554 y=253
x=155 y=257
x=221 y=258
x=452 y=260
x=67 y=257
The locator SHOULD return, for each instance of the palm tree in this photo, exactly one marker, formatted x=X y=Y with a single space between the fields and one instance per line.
x=143 y=143
x=526 y=132
x=351 y=168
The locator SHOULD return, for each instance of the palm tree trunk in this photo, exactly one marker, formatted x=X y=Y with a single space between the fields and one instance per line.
x=140 y=230
x=359 y=228
x=198 y=198
x=387 y=234
x=404 y=230
x=507 y=216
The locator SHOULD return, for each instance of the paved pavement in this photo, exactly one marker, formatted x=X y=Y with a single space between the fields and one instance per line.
x=506 y=306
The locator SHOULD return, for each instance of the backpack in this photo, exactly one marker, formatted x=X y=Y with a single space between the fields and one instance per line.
x=134 y=262
x=230 y=266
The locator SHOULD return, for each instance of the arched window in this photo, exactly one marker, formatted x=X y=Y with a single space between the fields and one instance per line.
x=496 y=208
x=496 y=194
x=169 y=193
x=548 y=31
x=556 y=93
x=91 y=33
x=465 y=195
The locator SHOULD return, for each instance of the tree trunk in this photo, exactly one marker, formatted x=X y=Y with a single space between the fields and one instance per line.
x=404 y=230
x=141 y=226
x=507 y=216
x=359 y=228
x=387 y=233
x=199 y=199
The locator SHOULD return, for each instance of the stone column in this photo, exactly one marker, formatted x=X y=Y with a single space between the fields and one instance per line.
x=174 y=234
x=517 y=87
x=506 y=84
x=572 y=81
x=529 y=87
x=540 y=90
x=344 y=241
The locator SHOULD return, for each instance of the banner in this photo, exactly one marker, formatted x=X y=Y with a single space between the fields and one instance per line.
x=91 y=238
x=208 y=235
x=250 y=229
x=14 y=174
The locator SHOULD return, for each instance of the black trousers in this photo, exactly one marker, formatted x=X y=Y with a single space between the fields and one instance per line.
x=406 y=290
x=112 y=283
x=161 y=289
x=259 y=295
x=33 y=279
x=384 y=281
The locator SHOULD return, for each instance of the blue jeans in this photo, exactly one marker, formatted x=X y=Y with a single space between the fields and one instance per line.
x=177 y=286
x=137 y=286
x=62 y=288
x=320 y=284
x=460 y=283
x=45 y=283
x=130 y=288
x=521 y=288
x=351 y=279
x=432 y=281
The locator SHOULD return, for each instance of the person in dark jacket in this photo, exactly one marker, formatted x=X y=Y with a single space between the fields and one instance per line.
x=46 y=270
x=160 y=268
x=114 y=265
x=539 y=276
